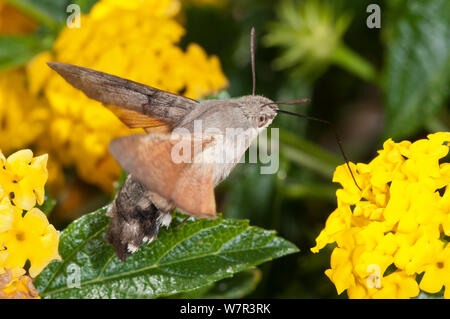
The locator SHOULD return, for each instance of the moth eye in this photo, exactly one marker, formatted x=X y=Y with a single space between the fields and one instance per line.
x=262 y=120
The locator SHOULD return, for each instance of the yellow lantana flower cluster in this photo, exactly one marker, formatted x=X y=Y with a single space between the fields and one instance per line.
x=23 y=117
x=392 y=234
x=16 y=285
x=134 y=39
x=25 y=233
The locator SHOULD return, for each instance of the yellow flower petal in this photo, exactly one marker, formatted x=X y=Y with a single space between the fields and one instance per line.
x=6 y=215
x=31 y=238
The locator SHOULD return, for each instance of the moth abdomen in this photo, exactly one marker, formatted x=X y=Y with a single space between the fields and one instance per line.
x=135 y=219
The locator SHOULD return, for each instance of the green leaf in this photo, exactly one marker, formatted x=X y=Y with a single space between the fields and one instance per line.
x=238 y=286
x=199 y=253
x=50 y=12
x=425 y=295
x=198 y=293
x=418 y=64
x=17 y=50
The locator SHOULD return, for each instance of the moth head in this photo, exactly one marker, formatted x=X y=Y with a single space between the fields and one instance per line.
x=259 y=110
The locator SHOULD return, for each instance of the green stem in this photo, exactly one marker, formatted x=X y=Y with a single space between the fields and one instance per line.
x=305 y=153
x=306 y=160
x=354 y=63
x=318 y=191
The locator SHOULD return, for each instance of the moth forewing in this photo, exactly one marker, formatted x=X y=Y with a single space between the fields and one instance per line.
x=126 y=94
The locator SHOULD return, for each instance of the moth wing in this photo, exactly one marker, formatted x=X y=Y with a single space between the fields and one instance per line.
x=133 y=119
x=194 y=191
x=128 y=99
x=189 y=185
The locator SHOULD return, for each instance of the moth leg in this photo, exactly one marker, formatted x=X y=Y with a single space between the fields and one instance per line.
x=165 y=218
x=183 y=222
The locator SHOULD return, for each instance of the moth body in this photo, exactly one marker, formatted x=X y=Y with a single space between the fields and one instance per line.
x=235 y=123
x=134 y=217
x=157 y=183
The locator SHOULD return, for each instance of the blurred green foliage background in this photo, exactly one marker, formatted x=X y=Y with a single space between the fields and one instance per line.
x=372 y=83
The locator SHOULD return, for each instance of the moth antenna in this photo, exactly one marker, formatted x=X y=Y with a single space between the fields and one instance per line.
x=320 y=121
x=252 y=53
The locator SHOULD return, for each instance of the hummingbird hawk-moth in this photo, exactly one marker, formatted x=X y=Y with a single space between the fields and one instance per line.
x=156 y=184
